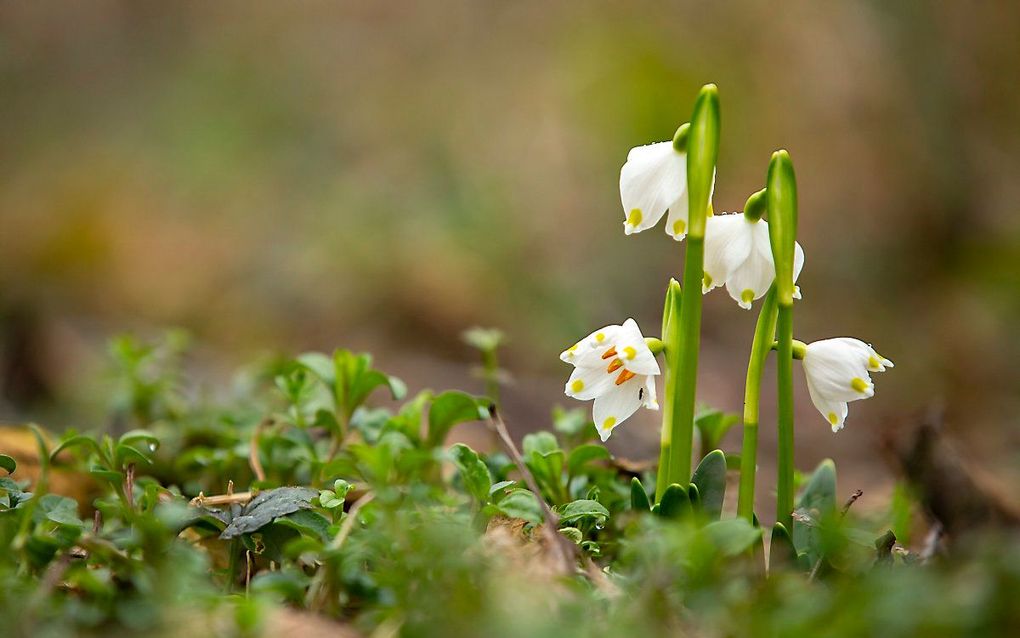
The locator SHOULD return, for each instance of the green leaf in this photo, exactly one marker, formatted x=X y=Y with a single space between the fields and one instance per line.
x=8 y=463
x=320 y=365
x=573 y=534
x=817 y=503
x=473 y=472
x=521 y=504
x=80 y=439
x=134 y=437
x=695 y=496
x=124 y=454
x=782 y=554
x=713 y=426
x=576 y=510
x=501 y=485
x=449 y=409
x=710 y=477
x=584 y=454
x=266 y=507
x=308 y=523
x=675 y=503
x=105 y=473
x=732 y=536
x=638 y=496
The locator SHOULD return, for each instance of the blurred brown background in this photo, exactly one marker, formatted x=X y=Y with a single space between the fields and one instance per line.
x=285 y=176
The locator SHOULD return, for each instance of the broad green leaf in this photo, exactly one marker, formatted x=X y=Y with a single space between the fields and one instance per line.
x=710 y=477
x=573 y=534
x=449 y=409
x=695 y=496
x=584 y=454
x=638 y=496
x=269 y=505
x=817 y=503
x=8 y=463
x=675 y=503
x=732 y=536
x=307 y=522
x=320 y=365
x=576 y=510
x=521 y=504
x=473 y=472
x=501 y=485
x=125 y=454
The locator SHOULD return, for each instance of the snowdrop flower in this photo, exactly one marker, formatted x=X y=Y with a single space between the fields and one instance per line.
x=739 y=256
x=654 y=180
x=615 y=367
x=837 y=372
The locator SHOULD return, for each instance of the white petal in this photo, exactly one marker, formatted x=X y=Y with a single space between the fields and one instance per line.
x=653 y=179
x=679 y=211
x=798 y=261
x=587 y=383
x=728 y=242
x=834 y=412
x=616 y=405
x=633 y=352
x=834 y=366
x=676 y=222
x=588 y=351
x=650 y=400
x=751 y=279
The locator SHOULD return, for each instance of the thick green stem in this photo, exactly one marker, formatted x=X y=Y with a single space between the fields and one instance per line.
x=684 y=379
x=784 y=374
x=764 y=333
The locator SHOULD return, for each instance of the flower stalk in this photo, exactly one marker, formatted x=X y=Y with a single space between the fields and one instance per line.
x=702 y=153
x=781 y=200
x=764 y=332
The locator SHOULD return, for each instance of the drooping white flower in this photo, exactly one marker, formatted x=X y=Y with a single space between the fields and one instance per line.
x=739 y=256
x=654 y=180
x=614 y=367
x=837 y=372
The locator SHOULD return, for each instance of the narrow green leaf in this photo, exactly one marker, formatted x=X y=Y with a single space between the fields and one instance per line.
x=638 y=496
x=8 y=463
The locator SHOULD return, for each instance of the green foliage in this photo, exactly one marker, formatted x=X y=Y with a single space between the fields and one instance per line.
x=364 y=518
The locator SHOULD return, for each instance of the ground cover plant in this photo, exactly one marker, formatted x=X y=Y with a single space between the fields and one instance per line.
x=300 y=504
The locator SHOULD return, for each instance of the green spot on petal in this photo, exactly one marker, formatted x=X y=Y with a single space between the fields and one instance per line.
x=859 y=384
x=635 y=217
x=747 y=296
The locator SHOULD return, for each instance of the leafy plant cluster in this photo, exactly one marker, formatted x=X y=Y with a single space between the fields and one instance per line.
x=297 y=499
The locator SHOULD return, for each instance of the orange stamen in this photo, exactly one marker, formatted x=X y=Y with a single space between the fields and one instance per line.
x=625 y=376
x=610 y=353
x=614 y=366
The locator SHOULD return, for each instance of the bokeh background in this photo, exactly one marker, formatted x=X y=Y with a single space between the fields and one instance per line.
x=276 y=177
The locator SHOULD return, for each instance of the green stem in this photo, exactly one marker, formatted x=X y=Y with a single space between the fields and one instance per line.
x=671 y=340
x=784 y=374
x=684 y=379
x=764 y=333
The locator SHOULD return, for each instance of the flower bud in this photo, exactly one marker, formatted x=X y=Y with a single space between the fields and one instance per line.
x=702 y=153
x=755 y=206
x=781 y=199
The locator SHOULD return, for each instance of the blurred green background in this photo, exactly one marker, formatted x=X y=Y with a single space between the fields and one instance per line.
x=380 y=176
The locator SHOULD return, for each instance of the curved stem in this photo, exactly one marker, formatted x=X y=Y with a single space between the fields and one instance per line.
x=764 y=332
x=684 y=379
x=784 y=375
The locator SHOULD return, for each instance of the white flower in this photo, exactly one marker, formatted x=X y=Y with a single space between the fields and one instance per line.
x=615 y=367
x=739 y=256
x=654 y=180
x=837 y=372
